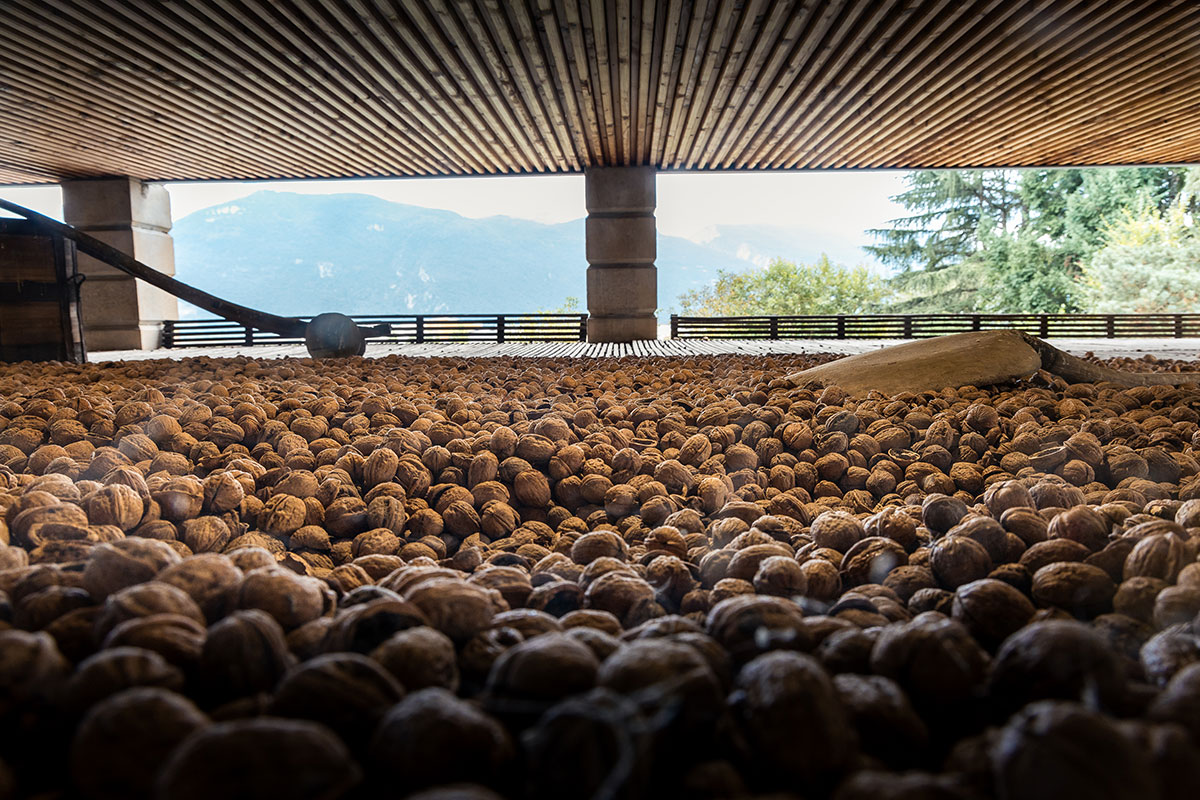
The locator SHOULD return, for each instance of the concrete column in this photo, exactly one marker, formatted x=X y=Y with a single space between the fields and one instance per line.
x=119 y=311
x=622 y=282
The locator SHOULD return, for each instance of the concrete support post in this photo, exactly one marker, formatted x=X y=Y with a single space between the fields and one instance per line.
x=622 y=282
x=119 y=311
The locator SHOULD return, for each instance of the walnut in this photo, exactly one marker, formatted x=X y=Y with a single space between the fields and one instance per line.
x=987 y=532
x=941 y=512
x=244 y=653
x=430 y=734
x=540 y=670
x=282 y=514
x=786 y=706
x=114 y=670
x=291 y=599
x=180 y=498
x=1169 y=651
x=418 y=658
x=894 y=524
x=934 y=659
x=1026 y=523
x=531 y=488
x=1176 y=604
x=618 y=592
x=836 y=530
x=27 y=524
x=1080 y=524
x=1050 y=745
x=113 y=566
x=749 y=624
x=455 y=607
x=991 y=610
x=38 y=610
x=346 y=691
x=250 y=556
x=824 y=583
x=114 y=504
x=956 y=560
x=512 y=583
x=32 y=672
x=1081 y=589
x=668 y=673
x=1161 y=555
x=1179 y=702
x=362 y=627
x=1052 y=551
x=143 y=600
x=176 y=638
x=907 y=580
x=259 y=757
x=206 y=534
x=1055 y=659
x=871 y=559
x=887 y=725
x=122 y=740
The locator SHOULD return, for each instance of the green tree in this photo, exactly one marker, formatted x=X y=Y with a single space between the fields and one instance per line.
x=1149 y=264
x=951 y=208
x=1010 y=241
x=787 y=288
x=570 y=305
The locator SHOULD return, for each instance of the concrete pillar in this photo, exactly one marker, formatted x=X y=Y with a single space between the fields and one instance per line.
x=622 y=282
x=119 y=311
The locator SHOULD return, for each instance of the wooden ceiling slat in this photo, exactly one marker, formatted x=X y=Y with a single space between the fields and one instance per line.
x=174 y=102
x=501 y=85
x=1002 y=53
x=889 y=54
x=1118 y=78
x=593 y=26
x=692 y=63
x=585 y=80
x=250 y=77
x=877 y=22
x=747 y=37
x=350 y=66
x=958 y=34
x=247 y=89
x=565 y=84
x=546 y=105
x=666 y=38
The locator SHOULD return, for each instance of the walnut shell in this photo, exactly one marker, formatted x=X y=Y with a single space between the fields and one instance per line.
x=123 y=739
x=259 y=757
x=290 y=598
x=1080 y=589
x=113 y=566
x=114 y=504
x=430 y=734
x=455 y=607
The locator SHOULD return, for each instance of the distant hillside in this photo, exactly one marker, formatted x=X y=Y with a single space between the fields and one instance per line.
x=300 y=254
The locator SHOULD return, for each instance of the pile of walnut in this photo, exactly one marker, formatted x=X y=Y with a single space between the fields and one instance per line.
x=609 y=579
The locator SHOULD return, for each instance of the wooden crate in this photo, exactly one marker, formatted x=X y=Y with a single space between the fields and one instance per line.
x=39 y=296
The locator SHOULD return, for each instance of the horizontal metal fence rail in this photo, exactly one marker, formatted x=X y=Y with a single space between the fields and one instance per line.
x=918 y=326
x=405 y=329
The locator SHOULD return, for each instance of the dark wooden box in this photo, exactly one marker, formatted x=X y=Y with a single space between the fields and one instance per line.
x=39 y=296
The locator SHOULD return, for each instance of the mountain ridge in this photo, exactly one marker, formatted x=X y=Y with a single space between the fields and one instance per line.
x=361 y=254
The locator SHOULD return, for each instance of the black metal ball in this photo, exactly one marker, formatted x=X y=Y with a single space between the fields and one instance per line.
x=334 y=336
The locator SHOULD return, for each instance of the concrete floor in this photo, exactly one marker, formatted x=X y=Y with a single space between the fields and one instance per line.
x=1185 y=349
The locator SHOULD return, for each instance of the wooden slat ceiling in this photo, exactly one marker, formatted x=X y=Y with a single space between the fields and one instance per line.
x=241 y=89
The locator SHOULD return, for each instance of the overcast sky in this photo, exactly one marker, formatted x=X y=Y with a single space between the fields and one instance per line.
x=843 y=204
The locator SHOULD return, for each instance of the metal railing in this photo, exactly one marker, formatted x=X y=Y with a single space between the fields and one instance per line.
x=405 y=328
x=917 y=326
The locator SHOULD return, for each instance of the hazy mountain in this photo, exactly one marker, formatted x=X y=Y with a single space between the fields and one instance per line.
x=302 y=254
